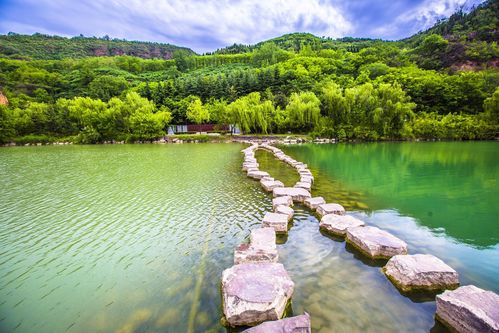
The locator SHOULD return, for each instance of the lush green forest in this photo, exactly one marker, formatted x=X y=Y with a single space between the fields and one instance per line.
x=441 y=83
x=44 y=47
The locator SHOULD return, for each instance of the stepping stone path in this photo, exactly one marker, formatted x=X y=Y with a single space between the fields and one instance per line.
x=330 y=208
x=338 y=224
x=469 y=309
x=281 y=209
x=285 y=200
x=314 y=202
x=257 y=174
x=261 y=248
x=254 y=293
x=419 y=272
x=375 y=243
x=270 y=185
x=307 y=186
x=298 y=324
x=277 y=221
x=296 y=193
x=257 y=289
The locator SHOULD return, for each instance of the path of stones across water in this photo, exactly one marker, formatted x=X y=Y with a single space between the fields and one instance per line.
x=257 y=289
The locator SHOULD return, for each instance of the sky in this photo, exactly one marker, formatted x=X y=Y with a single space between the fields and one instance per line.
x=205 y=26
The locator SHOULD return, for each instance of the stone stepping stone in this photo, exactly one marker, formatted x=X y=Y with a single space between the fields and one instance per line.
x=266 y=178
x=297 y=324
x=285 y=200
x=282 y=209
x=307 y=179
x=469 y=309
x=420 y=272
x=314 y=202
x=277 y=221
x=330 y=208
x=307 y=186
x=254 y=293
x=257 y=174
x=270 y=185
x=375 y=243
x=261 y=248
x=296 y=193
x=338 y=224
x=247 y=166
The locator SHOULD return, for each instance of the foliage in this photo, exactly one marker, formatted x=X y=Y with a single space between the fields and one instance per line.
x=40 y=46
x=440 y=83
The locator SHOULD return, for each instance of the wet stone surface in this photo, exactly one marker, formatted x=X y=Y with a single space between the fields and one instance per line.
x=338 y=224
x=297 y=324
x=469 y=309
x=375 y=243
x=420 y=272
x=253 y=293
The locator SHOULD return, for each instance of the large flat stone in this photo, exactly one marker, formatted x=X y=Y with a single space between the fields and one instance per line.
x=277 y=221
x=263 y=238
x=375 y=243
x=270 y=185
x=469 y=309
x=282 y=209
x=297 y=324
x=307 y=179
x=254 y=293
x=296 y=193
x=250 y=165
x=257 y=174
x=420 y=272
x=314 y=202
x=261 y=248
x=282 y=201
x=338 y=224
x=307 y=186
x=330 y=208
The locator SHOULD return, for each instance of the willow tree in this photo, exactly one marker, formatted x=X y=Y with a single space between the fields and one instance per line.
x=303 y=111
x=333 y=102
x=197 y=112
x=251 y=114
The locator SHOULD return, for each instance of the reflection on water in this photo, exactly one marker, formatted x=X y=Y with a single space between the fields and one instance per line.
x=449 y=185
x=135 y=238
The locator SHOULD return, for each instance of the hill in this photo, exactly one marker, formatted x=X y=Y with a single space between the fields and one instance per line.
x=296 y=41
x=464 y=41
x=45 y=47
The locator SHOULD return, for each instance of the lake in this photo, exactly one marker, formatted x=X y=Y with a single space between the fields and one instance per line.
x=134 y=238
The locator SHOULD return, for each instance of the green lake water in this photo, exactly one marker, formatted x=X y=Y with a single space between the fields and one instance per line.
x=134 y=238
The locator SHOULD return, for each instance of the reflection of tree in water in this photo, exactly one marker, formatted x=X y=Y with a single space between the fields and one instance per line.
x=450 y=185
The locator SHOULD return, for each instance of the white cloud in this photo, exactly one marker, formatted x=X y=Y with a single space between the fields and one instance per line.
x=428 y=11
x=202 y=25
x=419 y=17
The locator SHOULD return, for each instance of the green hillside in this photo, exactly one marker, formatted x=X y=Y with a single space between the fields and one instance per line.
x=39 y=46
x=464 y=40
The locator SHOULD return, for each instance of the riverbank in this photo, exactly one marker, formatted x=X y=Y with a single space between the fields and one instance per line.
x=208 y=137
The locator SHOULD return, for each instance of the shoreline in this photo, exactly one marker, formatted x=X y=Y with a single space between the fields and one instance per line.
x=207 y=138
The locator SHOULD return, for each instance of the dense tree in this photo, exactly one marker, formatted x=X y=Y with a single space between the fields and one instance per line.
x=197 y=112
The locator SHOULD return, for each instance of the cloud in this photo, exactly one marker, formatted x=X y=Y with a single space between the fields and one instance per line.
x=414 y=16
x=205 y=25
x=202 y=25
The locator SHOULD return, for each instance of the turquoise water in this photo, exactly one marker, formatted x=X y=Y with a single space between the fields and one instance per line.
x=134 y=238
